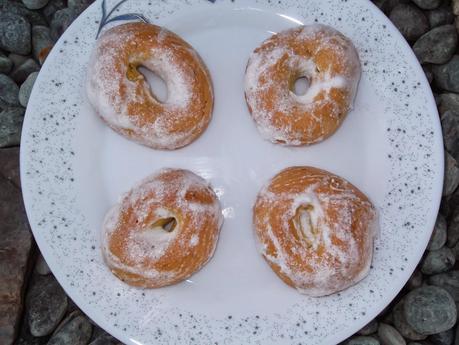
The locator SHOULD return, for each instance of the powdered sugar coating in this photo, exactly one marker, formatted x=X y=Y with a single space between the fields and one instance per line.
x=320 y=54
x=315 y=229
x=123 y=99
x=133 y=243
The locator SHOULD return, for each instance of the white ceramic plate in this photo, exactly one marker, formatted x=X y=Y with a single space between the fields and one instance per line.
x=73 y=168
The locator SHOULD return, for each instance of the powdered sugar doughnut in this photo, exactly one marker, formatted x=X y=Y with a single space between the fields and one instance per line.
x=122 y=97
x=315 y=230
x=330 y=63
x=163 y=230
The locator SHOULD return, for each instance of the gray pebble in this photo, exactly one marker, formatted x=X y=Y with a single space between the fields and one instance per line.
x=453 y=229
x=47 y=303
x=388 y=335
x=440 y=16
x=429 y=310
x=456 y=7
x=8 y=91
x=41 y=42
x=450 y=126
x=448 y=281
x=448 y=101
x=362 y=340
x=74 y=330
x=41 y=267
x=415 y=280
x=34 y=4
x=402 y=326
x=5 y=64
x=369 y=328
x=53 y=6
x=451 y=180
x=446 y=76
x=11 y=119
x=438 y=261
x=443 y=338
x=410 y=21
x=20 y=73
x=14 y=33
x=388 y=5
x=26 y=89
x=428 y=72
x=436 y=46
x=438 y=238
x=16 y=7
x=427 y=4
x=79 y=5
x=17 y=59
x=61 y=21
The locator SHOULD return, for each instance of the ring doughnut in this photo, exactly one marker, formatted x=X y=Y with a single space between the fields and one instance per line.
x=122 y=97
x=163 y=230
x=315 y=230
x=330 y=63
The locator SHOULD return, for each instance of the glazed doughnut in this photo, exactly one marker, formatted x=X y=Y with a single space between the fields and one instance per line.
x=329 y=62
x=122 y=97
x=315 y=230
x=163 y=230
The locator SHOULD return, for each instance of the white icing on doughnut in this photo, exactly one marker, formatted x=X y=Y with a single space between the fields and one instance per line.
x=152 y=244
x=103 y=85
x=258 y=80
x=324 y=279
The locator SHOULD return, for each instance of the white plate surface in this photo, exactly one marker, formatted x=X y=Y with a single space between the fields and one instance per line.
x=73 y=168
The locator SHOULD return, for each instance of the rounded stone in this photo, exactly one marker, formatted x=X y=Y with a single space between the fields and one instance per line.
x=20 y=73
x=79 y=5
x=410 y=21
x=451 y=180
x=443 y=338
x=362 y=340
x=429 y=310
x=448 y=281
x=440 y=16
x=41 y=267
x=453 y=228
x=17 y=59
x=15 y=34
x=438 y=261
x=61 y=21
x=388 y=335
x=74 y=330
x=16 y=7
x=446 y=76
x=35 y=4
x=51 y=8
x=388 y=5
x=41 y=42
x=450 y=126
x=5 y=64
x=438 y=238
x=105 y=339
x=369 y=328
x=436 y=46
x=26 y=89
x=47 y=303
x=11 y=119
x=8 y=91
x=427 y=4
x=428 y=73
x=402 y=326
x=415 y=280
x=448 y=101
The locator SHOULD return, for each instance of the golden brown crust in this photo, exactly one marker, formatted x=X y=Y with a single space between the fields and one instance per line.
x=322 y=55
x=122 y=96
x=164 y=229
x=315 y=230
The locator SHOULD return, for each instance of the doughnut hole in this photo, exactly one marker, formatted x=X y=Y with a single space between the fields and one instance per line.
x=158 y=86
x=303 y=226
x=300 y=85
x=168 y=224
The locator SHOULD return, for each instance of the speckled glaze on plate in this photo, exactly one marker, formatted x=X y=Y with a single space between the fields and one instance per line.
x=73 y=168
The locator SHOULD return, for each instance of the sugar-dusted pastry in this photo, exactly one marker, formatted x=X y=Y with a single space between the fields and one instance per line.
x=163 y=230
x=121 y=95
x=330 y=63
x=315 y=230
